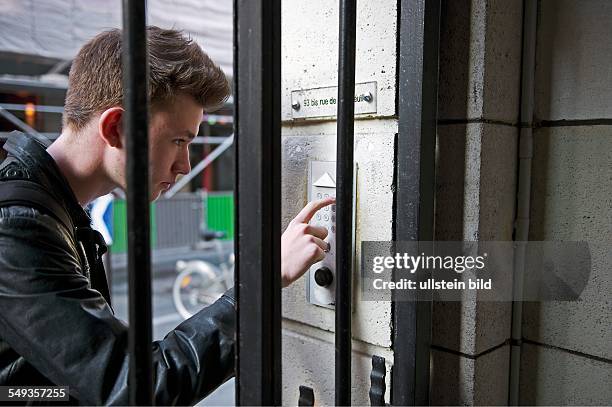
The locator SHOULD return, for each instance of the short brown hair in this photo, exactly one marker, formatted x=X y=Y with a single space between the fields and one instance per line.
x=177 y=65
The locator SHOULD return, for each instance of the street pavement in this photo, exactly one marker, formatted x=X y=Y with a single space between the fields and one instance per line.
x=165 y=316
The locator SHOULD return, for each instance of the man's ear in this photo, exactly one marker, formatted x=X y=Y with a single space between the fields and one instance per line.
x=110 y=126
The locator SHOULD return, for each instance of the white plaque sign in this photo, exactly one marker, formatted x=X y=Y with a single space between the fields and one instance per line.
x=323 y=102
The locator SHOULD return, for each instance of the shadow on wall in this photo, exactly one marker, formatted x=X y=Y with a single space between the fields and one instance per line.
x=454 y=94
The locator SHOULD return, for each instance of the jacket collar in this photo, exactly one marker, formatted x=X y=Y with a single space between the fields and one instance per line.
x=44 y=170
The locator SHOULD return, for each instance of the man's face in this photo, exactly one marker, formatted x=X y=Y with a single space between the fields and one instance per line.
x=172 y=128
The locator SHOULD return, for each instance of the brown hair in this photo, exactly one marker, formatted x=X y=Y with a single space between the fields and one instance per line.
x=177 y=65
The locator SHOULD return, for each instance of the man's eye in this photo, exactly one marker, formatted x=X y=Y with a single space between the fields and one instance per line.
x=178 y=141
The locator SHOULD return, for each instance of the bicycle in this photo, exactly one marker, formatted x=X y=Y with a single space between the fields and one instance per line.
x=199 y=282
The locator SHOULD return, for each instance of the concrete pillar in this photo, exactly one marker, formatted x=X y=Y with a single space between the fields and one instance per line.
x=567 y=359
x=480 y=59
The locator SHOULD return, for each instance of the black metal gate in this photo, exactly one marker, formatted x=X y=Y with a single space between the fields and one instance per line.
x=258 y=164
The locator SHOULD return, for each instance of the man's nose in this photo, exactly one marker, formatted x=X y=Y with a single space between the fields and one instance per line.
x=182 y=165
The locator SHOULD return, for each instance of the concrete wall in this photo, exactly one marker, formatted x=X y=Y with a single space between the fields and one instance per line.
x=567 y=355
x=310 y=60
x=568 y=359
x=480 y=62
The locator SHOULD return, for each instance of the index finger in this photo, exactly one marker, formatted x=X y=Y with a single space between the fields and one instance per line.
x=311 y=208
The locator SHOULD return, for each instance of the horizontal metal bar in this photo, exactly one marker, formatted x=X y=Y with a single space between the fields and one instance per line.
x=224 y=119
x=27 y=82
x=37 y=108
x=209 y=140
x=214 y=118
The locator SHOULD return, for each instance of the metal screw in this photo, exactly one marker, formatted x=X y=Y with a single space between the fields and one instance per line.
x=368 y=98
x=296 y=105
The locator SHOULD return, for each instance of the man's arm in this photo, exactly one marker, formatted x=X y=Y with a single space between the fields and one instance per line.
x=66 y=330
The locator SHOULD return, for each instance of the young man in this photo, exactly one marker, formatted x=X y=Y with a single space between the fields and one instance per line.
x=56 y=325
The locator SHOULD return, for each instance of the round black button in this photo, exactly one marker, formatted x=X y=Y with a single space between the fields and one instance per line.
x=324 y=276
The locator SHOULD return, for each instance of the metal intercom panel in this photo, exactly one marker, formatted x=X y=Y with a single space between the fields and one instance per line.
x=321 y=283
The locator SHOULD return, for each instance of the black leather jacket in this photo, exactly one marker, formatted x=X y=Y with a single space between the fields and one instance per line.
x=56 y=329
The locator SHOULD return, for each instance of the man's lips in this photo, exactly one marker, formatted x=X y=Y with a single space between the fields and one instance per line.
x=166 y=185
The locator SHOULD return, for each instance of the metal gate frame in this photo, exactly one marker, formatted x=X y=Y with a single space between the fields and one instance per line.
x=257 y=58
x=257 y=79
x=419 y=32
x=257 y=95
x=135 y=102
x=257 y=122
x=345 y=145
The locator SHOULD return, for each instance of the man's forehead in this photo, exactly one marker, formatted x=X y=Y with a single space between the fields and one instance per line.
x=170 y=119
x=165 y=125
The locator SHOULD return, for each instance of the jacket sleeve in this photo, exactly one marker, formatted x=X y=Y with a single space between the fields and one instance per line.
x=66 y=330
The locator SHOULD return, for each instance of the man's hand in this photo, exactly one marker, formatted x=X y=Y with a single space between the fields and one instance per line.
x=302 y=245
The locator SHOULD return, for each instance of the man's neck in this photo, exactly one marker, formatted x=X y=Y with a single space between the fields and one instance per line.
x=80 y=161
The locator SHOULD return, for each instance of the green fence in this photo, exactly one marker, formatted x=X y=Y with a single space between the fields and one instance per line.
x=120 y=226
x=218 y=210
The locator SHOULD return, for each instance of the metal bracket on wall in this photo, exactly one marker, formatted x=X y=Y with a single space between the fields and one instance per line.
x=306 y=396
x=378 y=386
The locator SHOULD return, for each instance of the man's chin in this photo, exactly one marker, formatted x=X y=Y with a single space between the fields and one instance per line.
x=155 y=195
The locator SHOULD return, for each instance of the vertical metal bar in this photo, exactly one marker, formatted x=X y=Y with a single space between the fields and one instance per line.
x=419 y=27
x=257 y=143
x=135 y=76
x=344 y=197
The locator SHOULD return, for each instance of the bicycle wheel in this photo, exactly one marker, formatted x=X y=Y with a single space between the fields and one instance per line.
x=197 y=285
